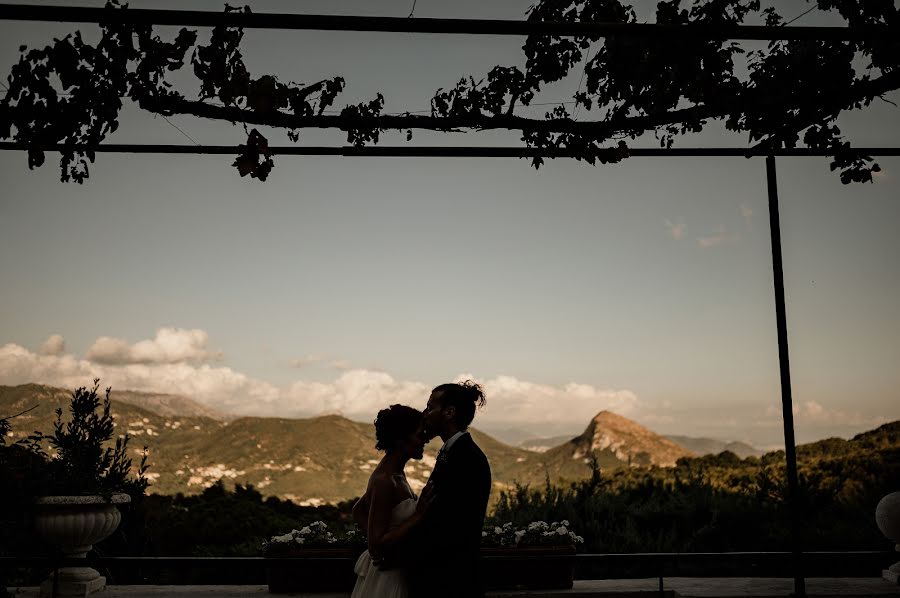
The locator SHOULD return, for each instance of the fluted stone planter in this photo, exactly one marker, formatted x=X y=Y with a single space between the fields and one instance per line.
x=887 y=516
x=74 y=524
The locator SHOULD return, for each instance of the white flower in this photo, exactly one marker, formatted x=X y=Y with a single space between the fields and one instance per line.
x=519 y=535
x=306 y=531
x=498 y=531
x=484 y=534
x=562 y=531
x=565 y=523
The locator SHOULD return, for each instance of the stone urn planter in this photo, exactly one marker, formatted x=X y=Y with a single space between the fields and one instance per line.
x=887 y=516
x=557 y=573
x=74 y=524
x=301 y=574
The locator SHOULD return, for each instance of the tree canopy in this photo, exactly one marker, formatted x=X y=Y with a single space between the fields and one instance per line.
x=71 y=93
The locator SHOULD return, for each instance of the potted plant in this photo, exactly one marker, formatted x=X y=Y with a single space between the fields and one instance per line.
x=83 y=482
x=503 y=544
x=317 y=559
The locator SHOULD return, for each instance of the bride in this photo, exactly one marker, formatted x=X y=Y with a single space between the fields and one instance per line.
x=389 y=510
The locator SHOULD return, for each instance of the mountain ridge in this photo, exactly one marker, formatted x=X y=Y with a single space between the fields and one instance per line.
x=328 y=458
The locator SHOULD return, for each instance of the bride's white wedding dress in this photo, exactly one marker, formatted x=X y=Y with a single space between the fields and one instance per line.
x=375 y=583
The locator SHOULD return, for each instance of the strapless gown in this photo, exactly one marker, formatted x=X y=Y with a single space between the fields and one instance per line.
x=374 y=583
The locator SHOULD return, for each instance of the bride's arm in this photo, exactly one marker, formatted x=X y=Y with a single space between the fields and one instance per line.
x=381 y=536
x=361 y=511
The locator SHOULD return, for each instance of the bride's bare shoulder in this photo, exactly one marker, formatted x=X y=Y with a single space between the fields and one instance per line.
x=378 y=480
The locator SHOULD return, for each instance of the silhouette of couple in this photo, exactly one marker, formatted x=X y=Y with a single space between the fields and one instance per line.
x=426 y=545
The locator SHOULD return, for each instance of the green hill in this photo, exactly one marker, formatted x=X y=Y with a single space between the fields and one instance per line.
x=328 y=459
x=311 y=461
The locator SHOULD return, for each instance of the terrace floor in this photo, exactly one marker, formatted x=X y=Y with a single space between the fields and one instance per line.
x=609 y=588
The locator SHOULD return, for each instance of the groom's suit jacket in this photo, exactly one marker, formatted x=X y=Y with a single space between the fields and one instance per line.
x=449 y=539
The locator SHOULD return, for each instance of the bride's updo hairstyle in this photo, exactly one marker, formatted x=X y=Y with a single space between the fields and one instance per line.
x=394 y=424
x=464 y=396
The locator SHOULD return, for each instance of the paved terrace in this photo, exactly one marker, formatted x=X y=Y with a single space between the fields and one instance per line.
x=759 y=587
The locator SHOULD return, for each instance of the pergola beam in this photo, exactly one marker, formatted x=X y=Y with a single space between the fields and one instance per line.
x=446 y=151
x=202 y=18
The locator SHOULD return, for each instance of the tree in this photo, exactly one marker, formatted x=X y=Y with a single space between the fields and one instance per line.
x=71 y=93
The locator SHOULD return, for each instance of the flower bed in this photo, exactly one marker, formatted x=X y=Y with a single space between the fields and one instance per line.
x=537 y=540
x=323 y=562
x=320 y=560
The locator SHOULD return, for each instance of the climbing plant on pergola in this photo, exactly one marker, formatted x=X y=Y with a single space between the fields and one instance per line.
x=669 y=78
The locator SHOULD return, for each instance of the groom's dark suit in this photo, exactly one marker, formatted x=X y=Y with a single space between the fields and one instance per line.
x=445 y=553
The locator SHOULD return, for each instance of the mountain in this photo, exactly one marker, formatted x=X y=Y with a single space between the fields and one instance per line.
x=510 y=436
x=543 y=444
x=711 y=446
x=329 y=458
x=312 y=461
x=168 y=404
x=614 y=440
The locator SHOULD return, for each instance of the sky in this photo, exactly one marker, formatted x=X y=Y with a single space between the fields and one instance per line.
x=343 y=285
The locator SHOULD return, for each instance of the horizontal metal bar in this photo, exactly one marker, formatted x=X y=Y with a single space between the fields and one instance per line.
x=668 y=557
x=447 y=151
x=198 y=18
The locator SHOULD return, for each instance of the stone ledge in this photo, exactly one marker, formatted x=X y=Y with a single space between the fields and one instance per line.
x=675 y=587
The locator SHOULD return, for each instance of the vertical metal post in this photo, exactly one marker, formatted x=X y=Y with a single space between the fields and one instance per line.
x=790 y=450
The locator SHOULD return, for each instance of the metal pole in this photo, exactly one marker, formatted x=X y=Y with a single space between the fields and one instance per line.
x=248 y=20
x=411 y=151
x=790 y=450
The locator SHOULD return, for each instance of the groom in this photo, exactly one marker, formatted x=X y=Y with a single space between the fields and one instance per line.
x=443 y=558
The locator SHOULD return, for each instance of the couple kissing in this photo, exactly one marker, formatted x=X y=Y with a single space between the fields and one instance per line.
x=425 y=545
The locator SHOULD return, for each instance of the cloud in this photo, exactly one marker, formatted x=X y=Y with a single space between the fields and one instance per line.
x=306 y=360
x=218 y=387
x=746 y=211
x=354 y=393
x=720 y=237
x=358 y=394
x=171 y=346
x=514 y=401
x=318 y=359
x=55 y=345
x=815 y=414
x=676 y=230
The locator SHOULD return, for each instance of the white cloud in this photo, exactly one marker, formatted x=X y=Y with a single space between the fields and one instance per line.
x=219 y=387
x=55 y=345
x=676 y=230
x=720 y=237
x=171 y=346
x=355 y=393
x=513 y=401
x=812 y=413
x=306 y=360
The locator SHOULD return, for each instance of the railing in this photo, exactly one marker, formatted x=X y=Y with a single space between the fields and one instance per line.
x=182 y=570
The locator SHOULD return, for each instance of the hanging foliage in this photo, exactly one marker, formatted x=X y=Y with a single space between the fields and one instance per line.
x=791 y=92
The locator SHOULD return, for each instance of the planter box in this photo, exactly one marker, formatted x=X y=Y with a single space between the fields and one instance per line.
x=532 y=574
x=307 y=576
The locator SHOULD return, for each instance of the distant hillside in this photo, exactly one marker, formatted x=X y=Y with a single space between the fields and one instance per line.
x=329 y=458
x=711 y=446
x=544 y=444
x=311 y=461
x=168 y=404
x=614 y=440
